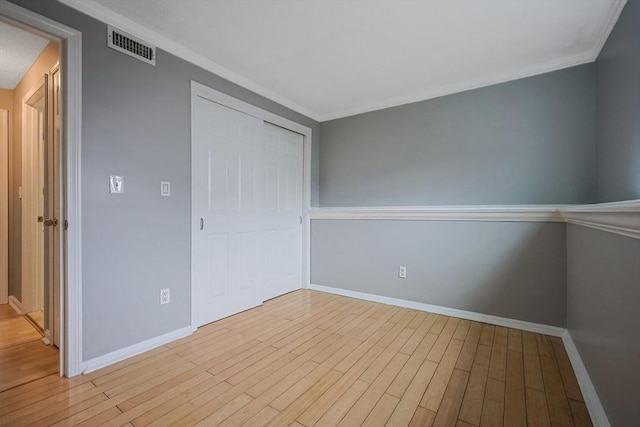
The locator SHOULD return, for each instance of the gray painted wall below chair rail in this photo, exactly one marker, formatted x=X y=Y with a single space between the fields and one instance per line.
x=618 y=110
x=510 y=269
x=528 y=141
x=603 y=316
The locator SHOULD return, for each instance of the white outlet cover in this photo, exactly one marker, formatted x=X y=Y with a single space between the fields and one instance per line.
x=165 y=188
x=402 y=272
x=165 y=296
x=116 y=184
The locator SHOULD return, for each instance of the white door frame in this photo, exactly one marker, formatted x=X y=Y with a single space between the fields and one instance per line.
x=71 y=64
x=4 y=208
x=200 y=90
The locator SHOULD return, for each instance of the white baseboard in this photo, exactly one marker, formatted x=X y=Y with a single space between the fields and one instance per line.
x=591 y=399
x=15 y=304
x=133 y=350
x=596 y=411
x=463 y=314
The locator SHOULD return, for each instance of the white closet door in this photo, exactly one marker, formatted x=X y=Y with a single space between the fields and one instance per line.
x=283 y=210
x=227 y=207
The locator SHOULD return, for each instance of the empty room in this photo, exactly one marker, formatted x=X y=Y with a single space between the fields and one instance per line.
x=320 y=213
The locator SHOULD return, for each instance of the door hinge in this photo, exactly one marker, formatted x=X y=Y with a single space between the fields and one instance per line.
x=66 y=224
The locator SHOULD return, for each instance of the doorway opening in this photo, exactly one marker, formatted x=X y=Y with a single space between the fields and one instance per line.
x=69 y=266
x=32 y=204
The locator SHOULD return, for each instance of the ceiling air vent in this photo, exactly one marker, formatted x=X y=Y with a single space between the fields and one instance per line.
x=130 y=45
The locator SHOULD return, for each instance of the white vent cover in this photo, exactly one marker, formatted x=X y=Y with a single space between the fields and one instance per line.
x=130 y=45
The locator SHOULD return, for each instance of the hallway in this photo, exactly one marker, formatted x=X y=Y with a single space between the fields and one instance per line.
x=23 y=355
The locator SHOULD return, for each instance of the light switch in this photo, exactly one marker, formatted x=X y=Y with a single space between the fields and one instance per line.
x=116 y=184
x=165 y=188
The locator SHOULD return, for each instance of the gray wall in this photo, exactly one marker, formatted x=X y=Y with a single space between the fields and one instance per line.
x=528 y=141
x=618 y=110
x=510 y=269
x=603 y=316
x=603 y=269
x=136 y=123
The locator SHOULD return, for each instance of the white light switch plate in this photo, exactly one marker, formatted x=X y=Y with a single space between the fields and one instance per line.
x=116 y=184
x=165 y=188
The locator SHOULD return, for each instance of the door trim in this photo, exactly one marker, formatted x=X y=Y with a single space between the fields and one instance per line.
x=71 y=136
x=202 y=91
x=4 y=208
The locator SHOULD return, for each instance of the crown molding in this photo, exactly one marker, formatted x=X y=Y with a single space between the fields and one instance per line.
x=614 y=14
x=101 y=13
x=97 y=11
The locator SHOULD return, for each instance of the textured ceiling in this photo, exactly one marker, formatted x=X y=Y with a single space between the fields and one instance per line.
x=18 y=51
x=330 y=59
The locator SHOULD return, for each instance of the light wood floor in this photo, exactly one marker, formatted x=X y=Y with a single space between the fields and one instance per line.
x=23 y=355
x=309 y=358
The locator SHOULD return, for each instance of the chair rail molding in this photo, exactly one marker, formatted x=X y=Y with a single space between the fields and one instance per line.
x=536 y=213
x=615 y=217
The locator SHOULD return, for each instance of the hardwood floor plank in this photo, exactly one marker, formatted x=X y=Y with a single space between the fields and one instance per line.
x=514 y=340
x=263 y=418
x=420 y=332
x=468 y=352
x=462 y=330
x=306 y=399
x=580 y=414
x=422 y=418
x=381 y=412
x=140 y=406
x=545 y=348
x=315 y=359
x=378 y=366
x=26 y=362
x=498 y=365
x=515 y=410
x=493 y=407
x=473 y=400
x=441 y=344
x=226 y=411
x=559 y=411
x=337 y=411
x=532 y=371
x=368 y=400
x=406 y=375
x=486 y=336
x=537 y=411
x=408 y=405
x=450 y=406
x=433 y=396
x=95 y=420
x=438 y=324
x=314 y=412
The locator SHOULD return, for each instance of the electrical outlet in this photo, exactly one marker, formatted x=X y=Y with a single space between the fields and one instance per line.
x=165 y=296
x=402 y=272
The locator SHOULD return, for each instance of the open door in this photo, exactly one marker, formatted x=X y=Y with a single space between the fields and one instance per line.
x=42 y=206
x=34 y=131
x=53 y=209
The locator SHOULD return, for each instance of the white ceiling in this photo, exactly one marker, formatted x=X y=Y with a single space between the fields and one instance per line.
x=335 y=58
x=18 y=51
